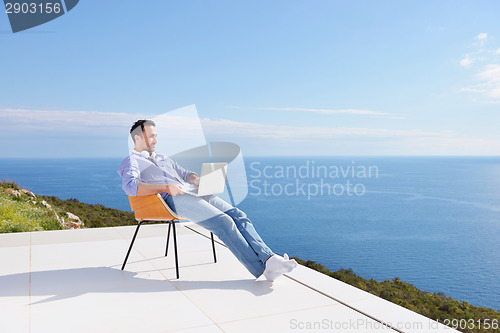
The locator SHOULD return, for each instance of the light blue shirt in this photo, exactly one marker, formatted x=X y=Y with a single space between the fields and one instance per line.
x=160 y=170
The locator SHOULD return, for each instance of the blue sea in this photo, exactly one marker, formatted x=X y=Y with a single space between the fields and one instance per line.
x=431 y=221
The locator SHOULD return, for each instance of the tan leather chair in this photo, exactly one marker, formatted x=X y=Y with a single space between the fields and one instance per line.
x=152 y=208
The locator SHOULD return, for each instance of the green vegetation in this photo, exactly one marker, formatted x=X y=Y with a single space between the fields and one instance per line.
x=19 y=213
x=93 y=216
x=436 y=306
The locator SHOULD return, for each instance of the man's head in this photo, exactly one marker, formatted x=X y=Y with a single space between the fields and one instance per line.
x=143 y=132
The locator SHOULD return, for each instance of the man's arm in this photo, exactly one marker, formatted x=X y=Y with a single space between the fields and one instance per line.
x=147 y=189
x=186 y=175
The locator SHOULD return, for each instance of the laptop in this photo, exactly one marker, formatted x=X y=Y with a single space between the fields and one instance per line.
x=212 y=180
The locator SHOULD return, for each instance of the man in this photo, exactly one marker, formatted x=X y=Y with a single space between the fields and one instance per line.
x=144 y=172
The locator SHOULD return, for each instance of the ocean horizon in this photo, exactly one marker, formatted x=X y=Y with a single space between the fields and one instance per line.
x=433 y=221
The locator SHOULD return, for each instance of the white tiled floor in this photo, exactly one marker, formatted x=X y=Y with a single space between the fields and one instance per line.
x=326 y=318
x=71 y=281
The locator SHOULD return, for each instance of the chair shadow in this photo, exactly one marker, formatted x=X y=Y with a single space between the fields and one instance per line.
x=69 y=283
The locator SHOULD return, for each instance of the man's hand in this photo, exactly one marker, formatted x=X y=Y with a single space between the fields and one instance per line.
x=194 y=179
x=173 y=189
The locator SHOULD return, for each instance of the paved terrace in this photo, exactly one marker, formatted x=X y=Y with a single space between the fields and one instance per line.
x=70 y=281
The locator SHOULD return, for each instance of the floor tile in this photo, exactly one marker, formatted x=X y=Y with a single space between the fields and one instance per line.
x=15 y=315
x=15 y=239
x=149 y=307
x=108 y=252
x=328 y=285
x=240 y=296
x=73 y=236
x=201 y=329
x=333 y=318
x=14 y=259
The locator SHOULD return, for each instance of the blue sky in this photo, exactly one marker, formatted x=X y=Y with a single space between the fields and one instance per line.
x=276 y=77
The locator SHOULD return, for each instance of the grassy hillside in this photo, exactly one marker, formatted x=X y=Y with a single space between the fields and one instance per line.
x=93 y=216
x=23 y=212
x=19 y=213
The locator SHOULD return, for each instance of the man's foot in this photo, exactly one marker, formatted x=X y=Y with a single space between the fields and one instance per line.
x=276 y=266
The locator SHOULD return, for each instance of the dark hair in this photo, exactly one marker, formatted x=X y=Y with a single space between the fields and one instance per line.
x=135 y=130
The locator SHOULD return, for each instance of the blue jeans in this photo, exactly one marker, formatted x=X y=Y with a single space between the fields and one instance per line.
x=230 y=224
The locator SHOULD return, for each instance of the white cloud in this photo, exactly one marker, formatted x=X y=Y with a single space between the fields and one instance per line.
x=491 y=81
x=491 y=73
x=488 y=77
x=483 y=36
x=263 y=138
x=466 y=62
x=343 y=140
x=329 y=111
x=223 y=127
x=360 y=112
x=181 y=128
x=82 y=121
x=64 y=119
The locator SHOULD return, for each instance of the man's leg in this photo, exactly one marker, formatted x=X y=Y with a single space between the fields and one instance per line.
x=276 y=265
x=200 y=211
x=245 y=227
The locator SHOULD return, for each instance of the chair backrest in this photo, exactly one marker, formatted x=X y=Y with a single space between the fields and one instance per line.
x=152 y=208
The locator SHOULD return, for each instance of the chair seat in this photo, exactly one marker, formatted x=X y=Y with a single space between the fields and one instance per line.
x=152 y=208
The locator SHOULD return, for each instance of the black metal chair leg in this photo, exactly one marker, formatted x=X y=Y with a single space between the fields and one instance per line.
x=131 y=244
x=213 y=246
x=168 y=238
x=170 y=226
x=175 y=250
